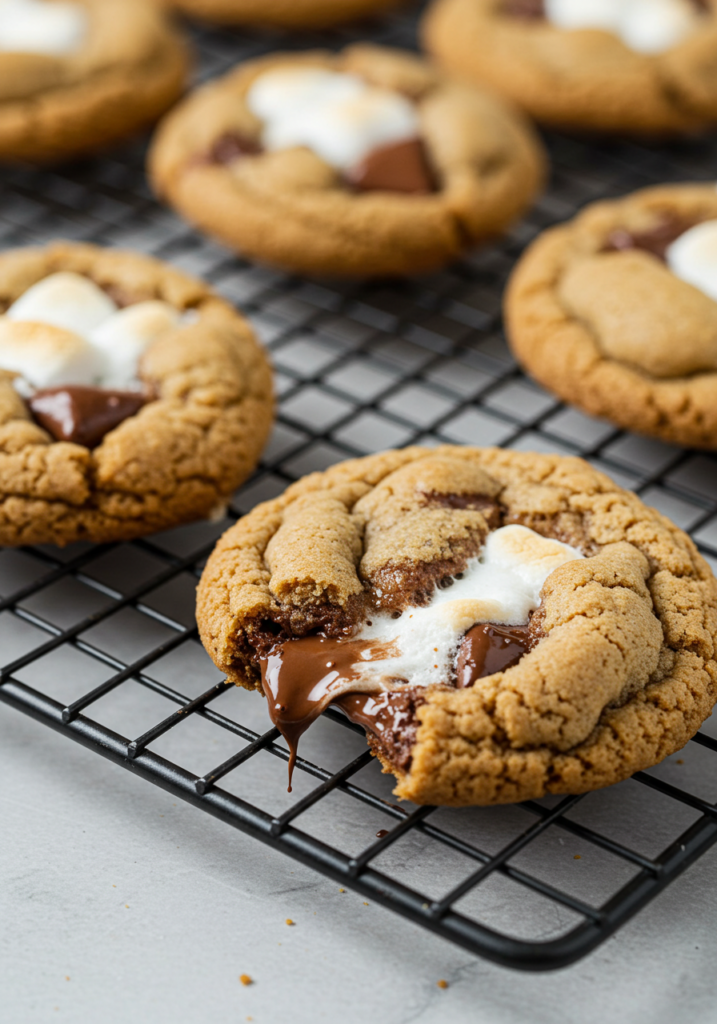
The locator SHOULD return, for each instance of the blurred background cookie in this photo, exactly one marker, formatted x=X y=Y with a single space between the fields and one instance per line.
x=132 y=398
x=645 y=67
x=616 y=312
x=78 y=74
x=367 y=162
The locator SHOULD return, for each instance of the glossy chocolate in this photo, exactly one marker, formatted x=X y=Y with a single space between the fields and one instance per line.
x=488 y=648
x=82 y=414
x=389 y=718
x=529 y=10
x=400 y=167
x=656 y=240
x=231 y=146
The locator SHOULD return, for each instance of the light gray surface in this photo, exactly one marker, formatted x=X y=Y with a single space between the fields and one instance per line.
x=153 y=910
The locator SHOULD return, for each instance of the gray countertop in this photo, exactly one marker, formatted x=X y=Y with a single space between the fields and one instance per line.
x=118 y=903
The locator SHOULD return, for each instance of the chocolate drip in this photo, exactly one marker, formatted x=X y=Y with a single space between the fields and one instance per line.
x=655 y=240
x=82 y=414
x=488 y=648
x=400 y=167
x=528 y=10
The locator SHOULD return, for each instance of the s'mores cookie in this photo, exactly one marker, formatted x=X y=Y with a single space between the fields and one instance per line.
x=638 y=67
x=76 y=75
x=503 y=625
x=616 y=312
x=132 y=398
x=366 y=162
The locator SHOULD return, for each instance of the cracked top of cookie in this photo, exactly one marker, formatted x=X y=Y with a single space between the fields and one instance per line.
x=346 y=162
x=627 y=66
x=622 y=608
x=130 y=394
x=617 y=310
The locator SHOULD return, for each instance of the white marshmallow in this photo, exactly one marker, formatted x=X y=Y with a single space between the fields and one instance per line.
x=124 y=337
x=66 y=300
x=646 y=26
x=339 y=117
x=693 y=257
x=48 y=356
x=34 y=26
x=502 y=586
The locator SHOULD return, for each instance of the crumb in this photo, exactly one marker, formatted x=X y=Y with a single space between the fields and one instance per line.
x=67 y=977
x=576 y=857
x=365 y=903
x=342 y=890
x=246 y=979
x=680 y=761
x=442 y=983
x=126 y=906
x=289 y=921
x=114 y=886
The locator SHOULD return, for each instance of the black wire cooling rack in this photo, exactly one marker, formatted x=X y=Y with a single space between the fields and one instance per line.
x=100 y=643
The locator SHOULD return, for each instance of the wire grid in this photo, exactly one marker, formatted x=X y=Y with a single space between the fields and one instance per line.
x=360 y=367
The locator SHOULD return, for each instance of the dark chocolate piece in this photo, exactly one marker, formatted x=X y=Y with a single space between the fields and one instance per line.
x=400 y=167
x=390 y=720
x=655 y=240
x=229 y=147
x=488 y=648
x=82 y=414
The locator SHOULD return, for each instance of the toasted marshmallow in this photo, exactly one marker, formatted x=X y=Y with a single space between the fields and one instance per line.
x=66 y=300
x=34 y=26
x=693 y=257
x=47 y=356
x=338 y=116
x=501 y=586
x=125 y=335
x=646 y=26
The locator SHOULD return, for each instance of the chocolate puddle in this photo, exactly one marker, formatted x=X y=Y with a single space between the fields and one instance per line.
x=82 y=414
x=299 y=677
x=655 y=240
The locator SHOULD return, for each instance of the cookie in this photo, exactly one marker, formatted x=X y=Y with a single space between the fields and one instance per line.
x=619 y=66
x=361 y=163
x=132 y=398
x=503 y=624
x=78 y=74
x=282 y=13
x=616 y=312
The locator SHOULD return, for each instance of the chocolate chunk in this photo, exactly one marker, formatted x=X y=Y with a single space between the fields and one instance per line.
x=229 y=147
x=400 y=167
x=389 y=719
x=529 y=10
x=488 y=648
x=655 y=240
x=83 y=414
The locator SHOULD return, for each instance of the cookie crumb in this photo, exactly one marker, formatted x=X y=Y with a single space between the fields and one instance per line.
x=289 y=921
x=577 y=856
x=67 y=977
x=126 y=906
x=442 y=983
x=246 y=979
x=680 y=761
x=342 y=890
x=365 y=903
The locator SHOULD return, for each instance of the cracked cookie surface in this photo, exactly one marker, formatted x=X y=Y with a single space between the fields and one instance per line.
x=290 y=207
x=127 y=68
x=180 y=456
x=620 y=670
x=578 y=79
x=598 y=315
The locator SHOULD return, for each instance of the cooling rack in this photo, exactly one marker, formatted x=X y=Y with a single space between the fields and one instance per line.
x=99 y=643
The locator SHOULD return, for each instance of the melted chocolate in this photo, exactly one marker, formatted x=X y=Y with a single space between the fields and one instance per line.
x=400 y=167
x=82 y=414
x=229 y=147
x=528 y=10
x=655 y=240
x=488 y=648
x=389 y=718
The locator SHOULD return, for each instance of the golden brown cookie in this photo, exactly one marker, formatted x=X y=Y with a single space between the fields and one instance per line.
x=612 y=312
x=132 y=398
x=449 y=166
x=76 y=76
x=630 y=80
x=281 y=13
x=505 y=625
